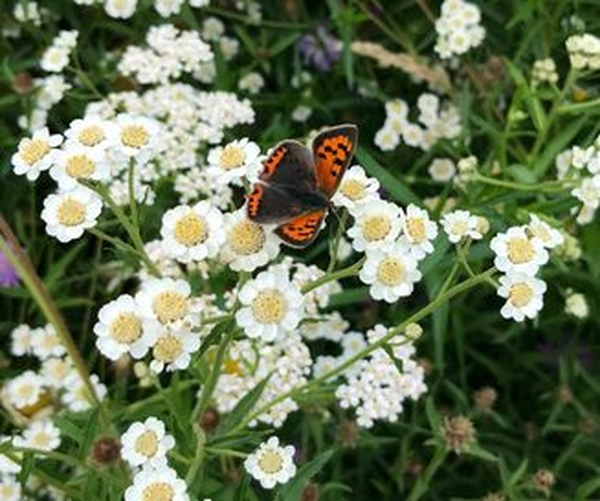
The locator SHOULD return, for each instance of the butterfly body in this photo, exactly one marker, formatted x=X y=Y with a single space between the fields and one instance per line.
x=297 y=183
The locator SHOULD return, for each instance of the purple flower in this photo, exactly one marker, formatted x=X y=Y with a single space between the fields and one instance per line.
x=320 y=49
x=8 y=275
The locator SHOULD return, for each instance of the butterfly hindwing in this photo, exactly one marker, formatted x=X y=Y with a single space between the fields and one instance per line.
x=332 y=150
x=270 y=205
x=303 y=230
x=290 y=163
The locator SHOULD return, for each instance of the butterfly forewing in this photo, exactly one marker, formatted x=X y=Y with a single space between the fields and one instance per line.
x=303 y=230
x=290 y=164
x=271 y=205
x=332 y=150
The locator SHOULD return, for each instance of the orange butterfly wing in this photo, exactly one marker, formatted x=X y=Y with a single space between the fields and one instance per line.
x=332 y=150
x=303 y=230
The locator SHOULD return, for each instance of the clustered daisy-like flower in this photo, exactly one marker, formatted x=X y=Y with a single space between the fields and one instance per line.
x=458 y=28
x=271 y=463
x=56 y=56
x=435 y=121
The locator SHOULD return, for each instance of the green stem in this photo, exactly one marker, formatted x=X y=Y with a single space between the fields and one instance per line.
x=394 y=331
x=548 y=187
x=20 y=261
x=422 y=484
x=343 y=273
x=207 y=391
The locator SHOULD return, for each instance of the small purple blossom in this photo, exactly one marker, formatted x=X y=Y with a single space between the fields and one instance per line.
x=320 y=48
x=8 y=275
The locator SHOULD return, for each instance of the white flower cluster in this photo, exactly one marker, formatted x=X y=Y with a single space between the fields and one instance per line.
x=520 y=252
x=286 y=364
x=544 y=71
x=377 y=386
x=144 y=447
x=124 y=9
x=581 y=166
x=189 y=118
x=56 y=57
x=394 y=240
x=34 y=396
x=28 y=12
x=458 y=28
x=252 y=82
x=584 y=51
x=48 y=91
x=170 y=53
x=435 y=122
x=160 y=319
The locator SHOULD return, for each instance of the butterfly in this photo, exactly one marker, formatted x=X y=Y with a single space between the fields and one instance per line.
x=295 y=188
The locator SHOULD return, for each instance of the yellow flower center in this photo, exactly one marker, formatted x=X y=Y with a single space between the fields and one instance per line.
x=459 y=228
x=540 y=231
x=134 y=136
x=147 y=443
x=7 y=491
x=247 y=238
x=232 y=367
x=167 y=349
x=34 y=150
x=268 y=306
x=391 y=271
x=71 y=212
x=191 y=230
x=126 y=328
x=353 y=189
x=270 y=462
x=26 y=391
x=415 y=227
x=80 y=166
x=520 y=250
x=376 y=228
x=40 y=440
x=158 y=491
x=91 y=136
x=520 y=294
x=231 y=157
x=170 y=306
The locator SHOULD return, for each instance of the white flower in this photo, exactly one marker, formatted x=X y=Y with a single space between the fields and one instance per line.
x=157 y=484
x=271 y=305
x=252 y=82
x=461 y=224
x=524 y=295
x=10 y=488
x=418 y=231
x=137 y=137
x=40 y=435
x=516 y=252
x=356 y=189
x=91 y=131
x=212 y=29
x=549 y=236
x=192 y=233
x=576 y=305
x=271 y=464
x=173 y=348
x=21 y=340
x=55 y=59
x=386 y=139
x=45 y=343
x=168 y=8
x=79 y=162
x=588 y=192
x=55 y=370
x=391 y=272
x=234 y=161
x=68 y=214
x=167 y=300
x=120 y=9
x=301 y=113
x=248 y=245
x=35 y=154
x=27 y=390
x=77 y=396
x=146 y=443
x=120 y=329
x=375 y=224
x=442 y=170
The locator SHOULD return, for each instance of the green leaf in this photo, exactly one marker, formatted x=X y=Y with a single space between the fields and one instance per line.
x=69 y=428
x=293 y=489
x=477 y=451
x=396 y=188
x=214 y=336
x=27 y=465
x=518 y=473
x=58 y=271
x=585 y=490
x=435 y=423
x=243 y=407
